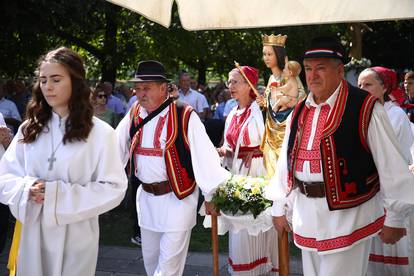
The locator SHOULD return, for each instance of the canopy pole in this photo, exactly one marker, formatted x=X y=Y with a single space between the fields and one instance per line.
x=283 y=246
x=214 y=243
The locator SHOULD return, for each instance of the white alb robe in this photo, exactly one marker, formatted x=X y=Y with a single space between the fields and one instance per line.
x=60 y=237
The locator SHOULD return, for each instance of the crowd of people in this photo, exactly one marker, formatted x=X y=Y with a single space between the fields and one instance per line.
x=339 y=159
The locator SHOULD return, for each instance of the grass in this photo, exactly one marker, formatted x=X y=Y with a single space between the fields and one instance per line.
x=116 y=230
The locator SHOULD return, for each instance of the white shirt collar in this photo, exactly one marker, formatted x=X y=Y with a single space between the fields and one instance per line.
x=59 y=121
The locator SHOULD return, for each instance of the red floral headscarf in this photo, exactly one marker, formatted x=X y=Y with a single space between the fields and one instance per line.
x=389 y=79
x=252 y=74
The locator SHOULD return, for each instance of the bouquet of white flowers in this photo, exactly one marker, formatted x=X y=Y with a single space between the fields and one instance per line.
x=242 y=194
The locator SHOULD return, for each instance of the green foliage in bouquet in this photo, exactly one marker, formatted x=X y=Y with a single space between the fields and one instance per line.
x=244 y=194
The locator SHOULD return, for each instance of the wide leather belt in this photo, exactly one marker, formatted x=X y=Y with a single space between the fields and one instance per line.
x=157 y=188
x=311 y=189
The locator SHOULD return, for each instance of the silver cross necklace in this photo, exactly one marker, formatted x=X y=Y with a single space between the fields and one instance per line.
x=52 y=157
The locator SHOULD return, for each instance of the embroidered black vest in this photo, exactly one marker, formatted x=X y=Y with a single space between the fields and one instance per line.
x=177 y=151
x=349 y=171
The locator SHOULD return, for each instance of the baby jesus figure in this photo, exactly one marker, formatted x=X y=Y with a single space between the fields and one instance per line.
x=287 y=95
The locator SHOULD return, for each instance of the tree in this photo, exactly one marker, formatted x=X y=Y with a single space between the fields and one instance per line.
x=21 y=43
x=98 y=27
x=390 y=44
x=112 y=40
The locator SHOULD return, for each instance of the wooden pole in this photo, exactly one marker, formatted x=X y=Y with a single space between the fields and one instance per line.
x=283 y=254
x=214 y=243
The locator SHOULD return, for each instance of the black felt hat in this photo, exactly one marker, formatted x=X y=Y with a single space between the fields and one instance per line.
x=150 y=70
x=326 y=47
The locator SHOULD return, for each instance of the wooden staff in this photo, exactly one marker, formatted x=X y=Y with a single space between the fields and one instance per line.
x=283 y=254
x=214 y=243
x=245 y=77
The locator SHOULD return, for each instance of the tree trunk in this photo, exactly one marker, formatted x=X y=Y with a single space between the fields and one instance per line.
x=201 y=68
x=357 y=30
x=109 y=63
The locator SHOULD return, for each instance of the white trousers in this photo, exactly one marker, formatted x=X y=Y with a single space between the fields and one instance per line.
x=164 y=253
x=353 y=261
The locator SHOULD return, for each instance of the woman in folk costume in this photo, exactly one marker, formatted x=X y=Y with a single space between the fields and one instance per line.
x=243 y=134
x=275 y=58
x=58 y=176
x=388 y=259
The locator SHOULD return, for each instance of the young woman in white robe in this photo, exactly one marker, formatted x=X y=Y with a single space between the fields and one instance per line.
x=243 y=134
x=385 y=259
x=61 y=171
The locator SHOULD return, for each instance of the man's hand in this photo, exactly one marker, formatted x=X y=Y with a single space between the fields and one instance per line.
x=411 y=168
x=391 y=235
x=281 y=224
x=5 y=136
x=37 y=192
x=211 y=209
x=224 y=152
x=221 y=151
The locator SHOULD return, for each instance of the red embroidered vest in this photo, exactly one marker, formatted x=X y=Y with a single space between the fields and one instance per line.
x=177 y=150
x=349 y=171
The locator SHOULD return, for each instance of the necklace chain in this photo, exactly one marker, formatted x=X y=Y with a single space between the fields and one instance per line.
x=52 y=157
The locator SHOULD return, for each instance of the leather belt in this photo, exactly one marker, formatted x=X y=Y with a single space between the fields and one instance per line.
x=311 y=189
x=157 y=188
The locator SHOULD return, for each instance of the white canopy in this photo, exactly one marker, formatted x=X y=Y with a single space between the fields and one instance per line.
x=232 y=14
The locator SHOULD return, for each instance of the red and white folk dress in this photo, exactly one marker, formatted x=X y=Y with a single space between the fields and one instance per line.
x=243 y=134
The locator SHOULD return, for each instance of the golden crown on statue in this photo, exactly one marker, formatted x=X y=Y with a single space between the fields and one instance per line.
x=274 y=40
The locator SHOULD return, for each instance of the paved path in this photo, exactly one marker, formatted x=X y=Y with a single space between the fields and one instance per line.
x=127 y=261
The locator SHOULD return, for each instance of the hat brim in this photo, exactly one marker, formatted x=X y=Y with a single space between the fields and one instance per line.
x=325 y=55
x=149 y=79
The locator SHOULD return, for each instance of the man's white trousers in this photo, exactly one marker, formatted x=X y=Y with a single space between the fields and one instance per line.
x=353 y=261
x=164 y=253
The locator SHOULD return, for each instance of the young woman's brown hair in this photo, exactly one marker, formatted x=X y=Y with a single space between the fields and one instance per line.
x=38 y=113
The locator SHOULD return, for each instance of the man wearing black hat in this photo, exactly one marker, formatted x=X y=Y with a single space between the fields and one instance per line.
x=335 y=158
x=171 y=157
